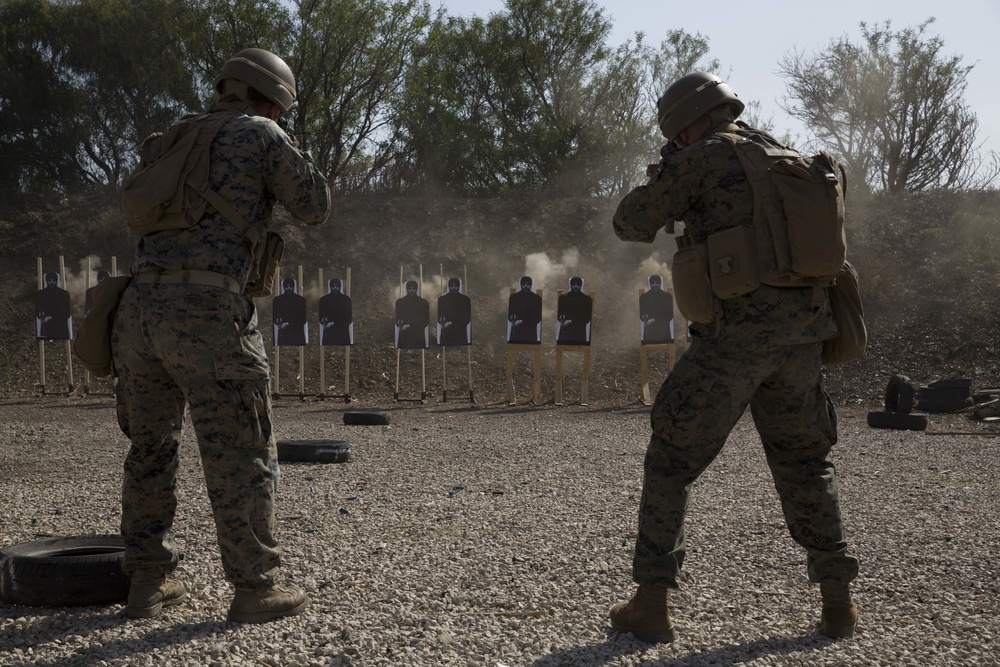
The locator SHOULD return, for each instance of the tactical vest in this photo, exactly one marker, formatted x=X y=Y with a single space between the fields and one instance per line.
x=170 y=190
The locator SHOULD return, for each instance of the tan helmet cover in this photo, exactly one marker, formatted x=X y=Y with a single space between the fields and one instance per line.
x=690 y=97
x=263 y=71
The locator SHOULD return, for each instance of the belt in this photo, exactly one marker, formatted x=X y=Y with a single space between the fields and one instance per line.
x=189 y=277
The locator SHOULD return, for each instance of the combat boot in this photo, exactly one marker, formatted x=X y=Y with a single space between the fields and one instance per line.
x=149 y=591
x=646 y=615
x=258 y=605
x=840 y=615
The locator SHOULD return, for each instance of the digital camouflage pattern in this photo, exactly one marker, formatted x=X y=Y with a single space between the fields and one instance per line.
x=705 y=187
x=765 y=353
x=195 y=345
x=253 y=164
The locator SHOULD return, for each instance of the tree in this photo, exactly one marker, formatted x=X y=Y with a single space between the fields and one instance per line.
x=533 y=97
x=125 y=93
x=349 y=61
x=38 y=136
x=508 y=102
x=80 y=87
x=225 y=28
x=892 y=108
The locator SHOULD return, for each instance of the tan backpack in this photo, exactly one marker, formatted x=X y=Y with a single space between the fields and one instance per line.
x=798 y=213
x=797 y=239
x=169 y=188
x=93 y=340
x=799 y=234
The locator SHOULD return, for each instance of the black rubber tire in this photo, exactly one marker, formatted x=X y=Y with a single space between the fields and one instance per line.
x=313 y=451
x=953 y=383
x=900 y=421
x=899 y=394
x=64 y=572
x=366 y=418
x=943 y=393
x=944 y=404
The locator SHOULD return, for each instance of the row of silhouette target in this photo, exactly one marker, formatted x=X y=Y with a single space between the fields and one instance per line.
x=574 y=314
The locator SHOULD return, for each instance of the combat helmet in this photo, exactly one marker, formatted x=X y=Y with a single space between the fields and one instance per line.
x=263 y=71
x=691 y=96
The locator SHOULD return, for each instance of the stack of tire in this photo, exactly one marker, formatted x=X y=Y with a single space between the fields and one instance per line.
x=949 y=395
x=898 y=413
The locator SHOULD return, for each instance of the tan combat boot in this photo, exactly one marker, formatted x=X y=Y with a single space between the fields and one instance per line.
x=840 y=615
x=253 y=605
x=149 y=591
x=645 y=615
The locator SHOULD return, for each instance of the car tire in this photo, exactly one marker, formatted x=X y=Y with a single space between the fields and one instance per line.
x=64 y=572
x=313 y=451
x=953 y=383
x=931 y=393
x=899 y=394
x=900 y=421
x=366 y=418
x=945 y=404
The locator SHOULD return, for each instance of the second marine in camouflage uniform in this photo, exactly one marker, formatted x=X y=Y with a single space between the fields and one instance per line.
x=180 y=343
x=764 y=352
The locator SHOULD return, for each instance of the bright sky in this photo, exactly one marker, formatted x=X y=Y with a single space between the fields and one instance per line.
x=748 y=38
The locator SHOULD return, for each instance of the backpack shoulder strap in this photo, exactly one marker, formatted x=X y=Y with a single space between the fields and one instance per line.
x=210 y=124
x=770 y=225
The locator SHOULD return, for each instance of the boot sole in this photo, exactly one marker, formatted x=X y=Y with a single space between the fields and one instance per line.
x=154 y=610
x=665 y=637
x=264 y=616
x=837 y=630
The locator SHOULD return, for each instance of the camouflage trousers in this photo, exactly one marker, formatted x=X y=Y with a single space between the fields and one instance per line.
x=178 y=345
x=696 y=408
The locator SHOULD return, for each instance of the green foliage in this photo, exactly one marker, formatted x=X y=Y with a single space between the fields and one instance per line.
x=393 y=97
x=39 y=136
x=225 y=27
x=893 y=107
x=84 y=82
x=350 y=56
x=533 y=97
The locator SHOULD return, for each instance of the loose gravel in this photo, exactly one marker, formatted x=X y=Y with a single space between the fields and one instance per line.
x=500 y=536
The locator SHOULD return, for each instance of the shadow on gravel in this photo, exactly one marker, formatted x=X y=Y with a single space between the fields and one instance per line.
x=138 y=644
x=618 y=645
x=53 y=624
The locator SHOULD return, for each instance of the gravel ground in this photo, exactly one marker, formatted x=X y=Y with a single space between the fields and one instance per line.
x=500 y=536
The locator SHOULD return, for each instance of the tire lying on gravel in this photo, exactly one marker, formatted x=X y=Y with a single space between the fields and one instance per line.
x=945 y=404
x=366 y=418
x=954 y=383
x=900 y=421
x=899 y=394
x=313 y=451
x=931 y=393
x=64 y=572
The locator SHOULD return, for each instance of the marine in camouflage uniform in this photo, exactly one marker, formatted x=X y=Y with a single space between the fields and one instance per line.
x=764 y=351
x=198 y=345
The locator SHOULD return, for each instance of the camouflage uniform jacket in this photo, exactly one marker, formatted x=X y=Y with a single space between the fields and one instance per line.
x=253 y=164
x=704 y=186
